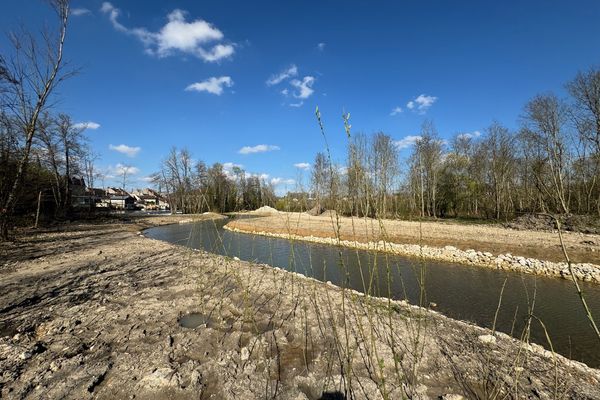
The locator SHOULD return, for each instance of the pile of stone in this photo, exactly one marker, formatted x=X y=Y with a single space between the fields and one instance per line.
x=265 y=210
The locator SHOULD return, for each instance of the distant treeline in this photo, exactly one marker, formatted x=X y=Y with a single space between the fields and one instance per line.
x=193 y=187
x=551 y=164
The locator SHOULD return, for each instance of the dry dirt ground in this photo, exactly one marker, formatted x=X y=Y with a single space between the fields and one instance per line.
x=582 y=248
x=92 y=311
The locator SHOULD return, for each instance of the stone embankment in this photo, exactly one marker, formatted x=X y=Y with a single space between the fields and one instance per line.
x=583 y=271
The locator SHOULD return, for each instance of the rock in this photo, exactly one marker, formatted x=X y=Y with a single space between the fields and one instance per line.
x=54 y=366
x=244 y=354
x=488 y=339
x=451 y=396
x=161 y=377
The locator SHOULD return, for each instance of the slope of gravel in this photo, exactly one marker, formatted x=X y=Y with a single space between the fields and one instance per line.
x=488 y=246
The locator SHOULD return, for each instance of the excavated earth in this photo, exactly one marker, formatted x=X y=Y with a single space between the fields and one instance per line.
x=532 y=252
x=96 y=310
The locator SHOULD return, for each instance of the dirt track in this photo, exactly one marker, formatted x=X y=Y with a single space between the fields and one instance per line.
x=92 y=311
x=582 y=248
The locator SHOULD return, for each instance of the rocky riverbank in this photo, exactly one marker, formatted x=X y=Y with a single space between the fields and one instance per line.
x=582 y=271
x=289 y=226
x=93 y=311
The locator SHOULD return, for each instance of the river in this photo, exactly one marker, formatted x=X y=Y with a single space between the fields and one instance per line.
x=458 y=291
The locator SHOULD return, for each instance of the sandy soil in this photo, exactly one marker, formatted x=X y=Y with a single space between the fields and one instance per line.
x=92 y=311
x=582 y=248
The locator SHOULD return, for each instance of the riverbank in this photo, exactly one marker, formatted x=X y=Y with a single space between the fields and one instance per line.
x=531 y=252
x=92 y=310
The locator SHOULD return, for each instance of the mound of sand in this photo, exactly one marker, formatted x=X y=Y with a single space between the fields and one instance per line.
x=265 y=210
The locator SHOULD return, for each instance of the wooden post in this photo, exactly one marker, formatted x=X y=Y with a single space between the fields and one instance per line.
x=37 y=214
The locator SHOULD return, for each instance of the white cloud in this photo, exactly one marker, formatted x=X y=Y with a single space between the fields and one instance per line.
x=396 y=111
x=147 y=179
x=422 y=103
x=407 y=141
x=120 y=169
x=230 y=165
x=262 y=177
x=321 y=46
x=469 y=135
x=304 y=87
x=212 y=85
x=124 y=149
x=282 y=181
x=77 y=12
x=290 y=72
x=302 y=165
x=260 y=148
x=86 y=125
x=199 y=38
x=228 y=170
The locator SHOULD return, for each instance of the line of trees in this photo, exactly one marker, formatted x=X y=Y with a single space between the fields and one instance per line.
x=550 y=164
x=193 y=187
x=37 y=150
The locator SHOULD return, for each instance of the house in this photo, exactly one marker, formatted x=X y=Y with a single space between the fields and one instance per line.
x=81 y=195
x=150 y=199
x=119 y=199
x=99 y=197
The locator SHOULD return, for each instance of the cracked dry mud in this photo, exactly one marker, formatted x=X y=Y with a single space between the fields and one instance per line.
x=93 y=311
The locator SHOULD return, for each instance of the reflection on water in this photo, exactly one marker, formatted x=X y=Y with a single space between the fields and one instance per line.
x=193 y=320
x=461 y=292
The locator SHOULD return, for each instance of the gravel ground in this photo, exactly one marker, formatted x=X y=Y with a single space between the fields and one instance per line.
x=92 y=311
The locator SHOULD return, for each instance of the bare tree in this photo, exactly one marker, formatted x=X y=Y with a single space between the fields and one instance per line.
x=89 y=167
x=384 y=169
x=426 y=161
x=545 y=118
x=124 y=174
x=72 y=143
x=585 y=90
x=357 y=176
x=30 y=77
x=321 y=178
x=498 y=146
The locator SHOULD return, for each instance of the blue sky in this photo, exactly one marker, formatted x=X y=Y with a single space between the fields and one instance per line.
x=460 y=63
